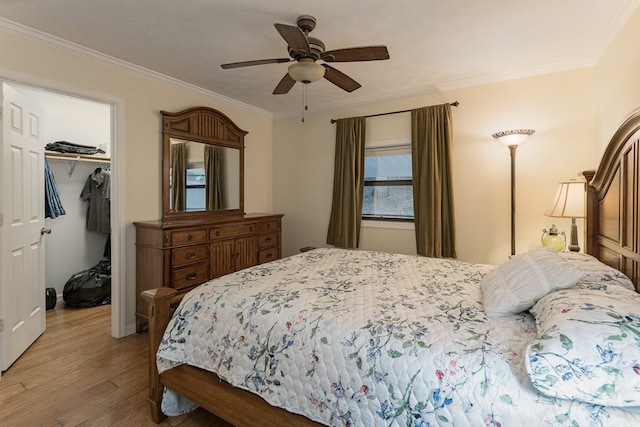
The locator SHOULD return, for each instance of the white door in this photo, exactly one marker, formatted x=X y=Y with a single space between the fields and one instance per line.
x=22 y=288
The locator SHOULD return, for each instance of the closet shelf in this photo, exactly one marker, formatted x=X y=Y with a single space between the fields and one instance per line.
x=74 y=158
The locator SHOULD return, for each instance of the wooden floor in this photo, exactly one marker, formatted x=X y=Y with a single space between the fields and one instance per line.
x=76 y=374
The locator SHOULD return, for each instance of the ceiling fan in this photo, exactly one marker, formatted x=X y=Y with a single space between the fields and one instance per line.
x=306 y=50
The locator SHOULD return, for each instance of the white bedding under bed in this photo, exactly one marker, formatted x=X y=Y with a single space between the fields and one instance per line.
x=358 y=338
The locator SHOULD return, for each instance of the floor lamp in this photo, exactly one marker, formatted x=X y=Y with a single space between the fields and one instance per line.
x=513 y=138
x=569 y=203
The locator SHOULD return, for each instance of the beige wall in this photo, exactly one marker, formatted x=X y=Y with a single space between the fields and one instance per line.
x=618 y=81
x=559 y=106
x=142 y=99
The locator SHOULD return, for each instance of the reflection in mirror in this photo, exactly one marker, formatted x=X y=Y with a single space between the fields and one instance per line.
x=203 y=177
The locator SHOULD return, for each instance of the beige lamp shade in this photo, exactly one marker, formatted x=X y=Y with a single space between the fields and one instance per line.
x=568 y=201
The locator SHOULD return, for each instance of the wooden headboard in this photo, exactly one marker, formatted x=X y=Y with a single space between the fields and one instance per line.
x=613 y=227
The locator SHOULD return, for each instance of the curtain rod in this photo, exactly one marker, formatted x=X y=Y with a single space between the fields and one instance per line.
x=453 y=104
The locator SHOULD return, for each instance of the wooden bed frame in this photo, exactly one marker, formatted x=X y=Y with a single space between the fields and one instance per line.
x=613 y=232
x=613 y=225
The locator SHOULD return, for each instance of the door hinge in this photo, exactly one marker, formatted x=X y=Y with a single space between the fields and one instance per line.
x=1 y=325
x=1 y=219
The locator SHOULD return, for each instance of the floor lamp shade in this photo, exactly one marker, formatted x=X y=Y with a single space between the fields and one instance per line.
x=513 y=137
x=569 y=203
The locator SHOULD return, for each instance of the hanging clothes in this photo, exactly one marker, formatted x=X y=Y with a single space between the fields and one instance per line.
x=52 y=203
x=96 y=192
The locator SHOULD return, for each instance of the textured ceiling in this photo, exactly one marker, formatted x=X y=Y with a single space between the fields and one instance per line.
x=434 y=45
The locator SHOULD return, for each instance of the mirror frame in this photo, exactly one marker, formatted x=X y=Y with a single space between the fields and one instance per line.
x=208 y=126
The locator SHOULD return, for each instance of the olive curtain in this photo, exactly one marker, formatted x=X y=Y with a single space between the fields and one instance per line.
x=213 y=173
x=348 y=183
x=431 y=136
x=178 y=177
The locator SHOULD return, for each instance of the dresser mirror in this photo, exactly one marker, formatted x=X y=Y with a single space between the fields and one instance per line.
x=202 y=165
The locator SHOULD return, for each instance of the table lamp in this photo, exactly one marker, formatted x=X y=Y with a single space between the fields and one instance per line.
x=569 y=203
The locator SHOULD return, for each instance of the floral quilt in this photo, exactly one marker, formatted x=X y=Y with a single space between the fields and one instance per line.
x=357 y=338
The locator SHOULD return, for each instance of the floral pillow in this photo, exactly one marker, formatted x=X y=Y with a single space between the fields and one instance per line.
x=516 y=285
x=588 y=346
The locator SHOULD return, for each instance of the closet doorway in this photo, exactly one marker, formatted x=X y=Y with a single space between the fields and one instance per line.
x=73 y=245
x=87 y=119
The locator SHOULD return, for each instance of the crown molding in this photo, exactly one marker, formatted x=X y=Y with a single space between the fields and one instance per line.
x=447 y=86
x=60 y=44
x=618 y=21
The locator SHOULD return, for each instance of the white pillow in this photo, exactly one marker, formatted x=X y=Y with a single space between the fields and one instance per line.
x=596 y=273
x=517 y=284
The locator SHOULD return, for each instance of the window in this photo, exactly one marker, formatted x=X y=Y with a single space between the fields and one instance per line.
x=195 y=184
x=388 y=185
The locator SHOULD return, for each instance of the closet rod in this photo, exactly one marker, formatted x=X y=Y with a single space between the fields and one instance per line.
x=453 y=104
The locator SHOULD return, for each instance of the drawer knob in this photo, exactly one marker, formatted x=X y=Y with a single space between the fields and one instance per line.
x=190 y=255
x=190 y=237
x=191 y=276
x=268 y=239
x=218 y=233
x=269 y=256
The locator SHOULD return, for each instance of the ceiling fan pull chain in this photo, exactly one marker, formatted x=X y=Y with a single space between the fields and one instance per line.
x=304 y=100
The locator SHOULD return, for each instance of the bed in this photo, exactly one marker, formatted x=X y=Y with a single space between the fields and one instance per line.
x=358 y=338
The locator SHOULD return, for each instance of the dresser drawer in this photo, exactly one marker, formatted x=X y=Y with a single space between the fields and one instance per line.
x=267 y=240
x=263 y=227
x=228 y=231
x=189 y=276
x=267 y=255
x=189 y=255
x=188 y=236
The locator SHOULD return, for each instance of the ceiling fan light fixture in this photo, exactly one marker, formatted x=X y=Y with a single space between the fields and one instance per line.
x=306 y=72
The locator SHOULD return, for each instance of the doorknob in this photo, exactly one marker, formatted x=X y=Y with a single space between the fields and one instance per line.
x=44 y=231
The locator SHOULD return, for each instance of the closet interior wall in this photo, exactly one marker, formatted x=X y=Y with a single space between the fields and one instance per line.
x=70 y=248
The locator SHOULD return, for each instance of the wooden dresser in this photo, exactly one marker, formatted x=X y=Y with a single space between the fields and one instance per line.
x=184 y=254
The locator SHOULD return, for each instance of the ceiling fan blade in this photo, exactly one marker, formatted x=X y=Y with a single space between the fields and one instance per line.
x=294 y=37
x=255 y=62
x=285 y=85
x=340 y=79
x=351 y=54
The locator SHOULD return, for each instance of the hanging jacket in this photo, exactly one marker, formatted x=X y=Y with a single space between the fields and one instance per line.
x=97 y=192
x=52 y=203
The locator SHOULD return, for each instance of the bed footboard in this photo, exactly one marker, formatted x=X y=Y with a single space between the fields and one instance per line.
x=237 y=406
x=161 y=302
